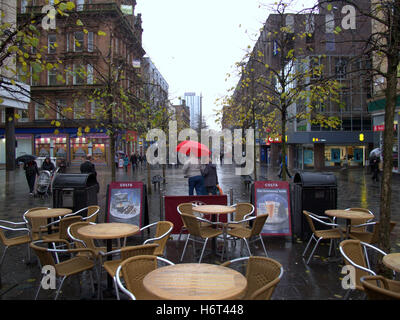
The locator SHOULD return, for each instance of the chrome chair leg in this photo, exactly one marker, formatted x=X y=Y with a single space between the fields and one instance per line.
x=308 y=244
x=184 y=248
x=59 y=288
x=262 y=242
x=202 y=251
x=312 y=252
x=248 y=247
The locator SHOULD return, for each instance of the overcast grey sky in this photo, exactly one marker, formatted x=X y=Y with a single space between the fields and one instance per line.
x=195 y=43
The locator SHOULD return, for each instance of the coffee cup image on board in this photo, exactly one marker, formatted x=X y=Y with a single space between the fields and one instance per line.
x=125 y=205
x=276 y=206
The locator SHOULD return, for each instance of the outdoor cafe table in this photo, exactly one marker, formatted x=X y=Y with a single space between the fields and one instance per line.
x=216 y=210
x=195 y=281
x=48 y=214
x=348 y=215
x=108 y=232
x=392 y=261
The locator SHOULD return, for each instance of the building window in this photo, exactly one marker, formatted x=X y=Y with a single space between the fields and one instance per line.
x=79 y=109
x=52 y=77
x=23 y=116
x=24 y=4
x=89 y=74
x=40 y=111
x=51 y=43
x=61 y=105
x=340 y=68
x=79 y=77
x=79 y=5
x=90 y=41
x=78 y=41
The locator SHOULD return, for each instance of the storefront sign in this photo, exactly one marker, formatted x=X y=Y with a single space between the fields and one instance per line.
x=381 y=127
x=272 y=198
x=125 y=203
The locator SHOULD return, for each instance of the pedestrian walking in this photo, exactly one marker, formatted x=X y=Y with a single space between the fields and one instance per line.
x=191 y=170
x=126 y=162
x=209 y=172
x=116 y=159
x=374 y=163
x=31 y=171
x=286 y=167
x=48 y=165
x=133 y=160
x=88 y=167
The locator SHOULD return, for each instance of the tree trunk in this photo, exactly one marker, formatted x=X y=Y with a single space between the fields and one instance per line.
x=283 y=138
x=386 y=184
x=112 y=149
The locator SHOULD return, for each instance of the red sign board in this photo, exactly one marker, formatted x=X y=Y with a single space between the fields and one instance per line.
x=172 y=202
x=381 y=127
x=125 y=202
x=273 y=198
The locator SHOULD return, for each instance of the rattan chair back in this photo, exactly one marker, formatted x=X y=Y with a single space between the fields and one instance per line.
x=65 y=223
x=310 y=221
x=380 y=288
x=263 y=275
x=73 y=229
x=139 y=250
x=134 y=270
x=45 y=257
x=163 y=228
x=258 y=224
x=35 y=223
x=192 y=224
x=355 y=222
x=243 y=209
x=354 y=251
x=92 y=213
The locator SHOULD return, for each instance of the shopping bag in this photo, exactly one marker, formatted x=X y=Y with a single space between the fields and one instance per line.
x=219 y=190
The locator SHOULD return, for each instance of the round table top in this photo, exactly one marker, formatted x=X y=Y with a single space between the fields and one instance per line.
x=213 y=209
x=195 y=281
x=108 y=230
x=349 y=214
x=48 y=213
x=392 y=261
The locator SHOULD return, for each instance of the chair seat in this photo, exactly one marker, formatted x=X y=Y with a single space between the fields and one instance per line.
x=74 y=266
x=329 y=234
x=236 y=225
x=362 y=236
x=17 y=240
x=240 y=232
x=210 y=232
x=51 y=236
x=112 y=266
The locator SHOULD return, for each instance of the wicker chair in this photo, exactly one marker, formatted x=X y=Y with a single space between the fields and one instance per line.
x=63 y=224
x=366 y=236
x=36 y=225
x=163 y=230
x=355 y=253
x=185 y=208
x=124 y=253
x=317 y=235
x=133 y=271
x=80 y=241
x=199 y=233
x=17 y=240
x=263 y=275
x=243 y=210
x=69 y=267
x=91 y=216
x=380 y=288
x=356 y=222
x=246 y=233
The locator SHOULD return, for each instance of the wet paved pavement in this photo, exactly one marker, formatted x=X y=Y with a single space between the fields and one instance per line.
x=320 y=280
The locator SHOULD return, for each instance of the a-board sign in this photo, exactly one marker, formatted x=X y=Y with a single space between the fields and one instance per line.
x=125 y=203
x=272 y=198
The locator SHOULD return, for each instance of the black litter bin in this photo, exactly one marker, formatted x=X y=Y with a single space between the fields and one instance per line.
x=314 y=192
x=75 y=191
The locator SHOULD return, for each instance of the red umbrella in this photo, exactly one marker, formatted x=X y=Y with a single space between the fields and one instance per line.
x=193 y=147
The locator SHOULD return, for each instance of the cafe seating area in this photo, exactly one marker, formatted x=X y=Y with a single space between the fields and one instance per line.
x=123 y=261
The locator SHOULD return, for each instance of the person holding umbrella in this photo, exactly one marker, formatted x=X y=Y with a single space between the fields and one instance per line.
x=31 y=171
x=209 y=173
x=192 y=168
x=374 y=159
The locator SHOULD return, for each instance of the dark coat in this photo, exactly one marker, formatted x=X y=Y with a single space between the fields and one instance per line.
x=209 y=172
x=88 y=167
x=48 y=166
x=31 y=168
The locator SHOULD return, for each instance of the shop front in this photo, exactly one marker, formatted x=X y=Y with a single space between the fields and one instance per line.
x=94 y=144
x=51 y=145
